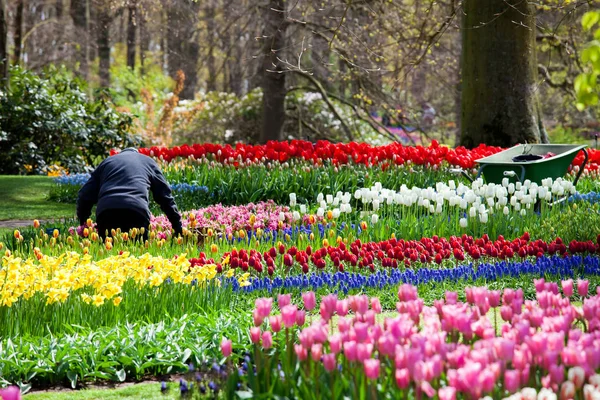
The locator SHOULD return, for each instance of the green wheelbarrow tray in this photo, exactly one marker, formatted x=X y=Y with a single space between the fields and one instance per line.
x=501 y=165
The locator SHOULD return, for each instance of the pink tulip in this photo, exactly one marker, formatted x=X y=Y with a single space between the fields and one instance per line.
x=567 y=390
x=275 y=323
x=447 y=393
x=506 y=313
x=226 y=347
x=376 y=305
x=263 y=307
x=301 y=352
x=583 y=287
x=350 y=350
x=557 y=373
x=363 y=351
x=329 y=362
x=371 y=368
x=343 y=324
x=386 y=345
x=451 y=298
x=577 y=376
x=567 y=287
x=330 y=303
x=511 y=380
x=255 y=335
x=402 y=378
x=427 y=389
x=362 y=304
x=316 y=351
x=10 y=393
x=494 y=298
x=508 y=296
x=407 y=292
x=283 y=300
x=288 y=314
x=504 y=349
x=309 y=300
x=267 y=339
x=257 y=318
x=362 y=331
x=342 y=307
x=300 y=317
x=335 y=343
x=539 y=284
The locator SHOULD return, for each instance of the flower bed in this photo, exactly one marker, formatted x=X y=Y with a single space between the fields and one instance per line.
x=345 y=220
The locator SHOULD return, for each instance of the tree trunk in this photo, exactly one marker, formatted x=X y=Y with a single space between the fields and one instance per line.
x=60 y=9
x=79 y=13
x=499 y=74
x=3 y=44
x=182 y=44
x=144 y=40
x=18 y=38
x=211 y=28
x=103 y=32
x=273 y=80
x=131 y=26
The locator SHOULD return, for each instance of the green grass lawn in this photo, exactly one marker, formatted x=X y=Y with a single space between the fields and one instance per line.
x=142 y=391
x=26 y=198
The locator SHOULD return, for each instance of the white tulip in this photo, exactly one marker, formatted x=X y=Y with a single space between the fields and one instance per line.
x=323 y=204
x=375 y=205
x=483 y=218
x=296 y=216
x=523 y=212
x=505 y=210
x=374 y=218
x=319 y=197
x=463 y=222
x=303 y=208
x=320 y=212
x=329 y=199
x=281 y=216
x=472 y=212
x=451 y=184
x=336 y=213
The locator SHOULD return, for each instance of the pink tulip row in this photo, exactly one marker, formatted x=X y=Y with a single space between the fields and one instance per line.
x=549 y=339
x=266 y=215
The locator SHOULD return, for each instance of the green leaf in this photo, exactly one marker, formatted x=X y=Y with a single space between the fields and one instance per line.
x=72 y=376
x=244 y=394
x=590 y=19
x=186 y=355
x=121 y=375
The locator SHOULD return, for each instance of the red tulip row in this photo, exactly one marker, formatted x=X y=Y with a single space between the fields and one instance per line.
x=339 y=153
x=393 y=253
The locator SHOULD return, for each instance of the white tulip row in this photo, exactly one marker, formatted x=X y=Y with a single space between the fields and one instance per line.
x=477 y=200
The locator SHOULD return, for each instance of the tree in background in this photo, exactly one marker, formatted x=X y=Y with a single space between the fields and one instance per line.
x=3 y=45
x=183 y=43
x=500 y=86
x=273 y=79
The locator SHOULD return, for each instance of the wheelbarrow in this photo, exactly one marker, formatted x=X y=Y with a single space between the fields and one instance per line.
x=529 y=161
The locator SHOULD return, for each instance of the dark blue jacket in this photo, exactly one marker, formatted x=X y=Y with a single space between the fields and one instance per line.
x=123 y=181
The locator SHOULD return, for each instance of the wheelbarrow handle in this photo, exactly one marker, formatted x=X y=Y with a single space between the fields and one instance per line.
x=582 y=167
x=460 y=171
x=507 y=173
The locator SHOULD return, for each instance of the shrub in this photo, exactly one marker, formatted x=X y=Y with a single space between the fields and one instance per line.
x=48 y=119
